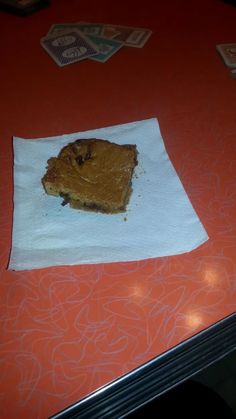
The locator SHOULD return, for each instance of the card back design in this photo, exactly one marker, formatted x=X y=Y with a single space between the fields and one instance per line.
x=68 y=47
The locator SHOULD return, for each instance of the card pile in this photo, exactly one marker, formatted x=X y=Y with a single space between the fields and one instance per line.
x=228 y=54
x=69 y=43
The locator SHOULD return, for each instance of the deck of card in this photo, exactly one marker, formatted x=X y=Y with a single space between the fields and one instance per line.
x=69 y=43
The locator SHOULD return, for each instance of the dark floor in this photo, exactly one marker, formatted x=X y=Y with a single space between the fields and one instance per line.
x=211 y=392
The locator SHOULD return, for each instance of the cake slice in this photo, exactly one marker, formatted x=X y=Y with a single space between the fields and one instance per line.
x=92 y=174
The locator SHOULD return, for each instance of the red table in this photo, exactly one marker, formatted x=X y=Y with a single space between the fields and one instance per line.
x=67 y=331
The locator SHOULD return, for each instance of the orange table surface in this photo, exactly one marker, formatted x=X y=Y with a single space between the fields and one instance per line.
x=66 y=331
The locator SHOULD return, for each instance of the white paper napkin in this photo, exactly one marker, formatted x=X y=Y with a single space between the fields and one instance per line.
x=160 y=218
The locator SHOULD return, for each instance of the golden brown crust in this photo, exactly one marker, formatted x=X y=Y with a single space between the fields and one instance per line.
x=92 y=174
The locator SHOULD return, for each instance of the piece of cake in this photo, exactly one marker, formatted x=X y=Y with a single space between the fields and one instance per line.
x=92 y=174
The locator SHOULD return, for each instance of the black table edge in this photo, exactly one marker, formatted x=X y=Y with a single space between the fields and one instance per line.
x=150 y=380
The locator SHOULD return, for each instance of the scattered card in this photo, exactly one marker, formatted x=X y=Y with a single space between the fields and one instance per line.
x=91 y=28
x=68 y=47
x=86 y=28
x=109 y=32
x=132 y=37
x=228 y=53
x=106 y=47
x=68 y=43
x=62 y=27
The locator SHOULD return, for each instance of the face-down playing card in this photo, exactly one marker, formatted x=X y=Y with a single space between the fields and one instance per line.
x=68 y=47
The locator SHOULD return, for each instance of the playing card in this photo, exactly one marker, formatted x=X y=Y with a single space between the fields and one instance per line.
x=68 y=47
x=109 y=32
x=85 y=27
x=106 y=47
x=62 y=27
x=90 y=28
x=132 y=37
x=228 y=53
